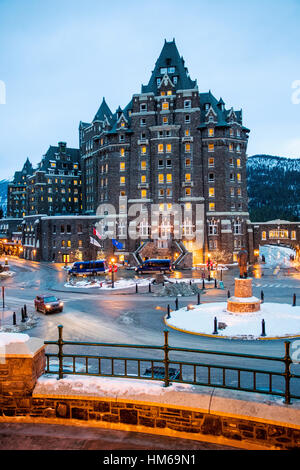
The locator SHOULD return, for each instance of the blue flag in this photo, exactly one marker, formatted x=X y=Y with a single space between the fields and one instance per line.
x=117 y=244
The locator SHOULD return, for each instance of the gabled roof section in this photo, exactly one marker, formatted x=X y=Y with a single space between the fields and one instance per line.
x=103 y=113
x=169 y=57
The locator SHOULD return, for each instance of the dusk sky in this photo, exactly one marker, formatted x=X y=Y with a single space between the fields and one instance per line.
x=59 y=58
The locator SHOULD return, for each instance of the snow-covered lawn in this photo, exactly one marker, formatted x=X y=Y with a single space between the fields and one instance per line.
x=280 y=320
x=277 y=255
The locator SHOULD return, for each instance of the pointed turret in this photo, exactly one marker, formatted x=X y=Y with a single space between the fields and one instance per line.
x=103 y=112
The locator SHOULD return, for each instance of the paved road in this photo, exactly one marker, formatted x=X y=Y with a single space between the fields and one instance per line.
x=92 y=315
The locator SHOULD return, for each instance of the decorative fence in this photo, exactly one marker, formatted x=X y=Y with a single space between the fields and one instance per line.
x=278 y=379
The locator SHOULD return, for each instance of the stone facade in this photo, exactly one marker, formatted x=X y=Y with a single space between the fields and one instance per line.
x=175 y=149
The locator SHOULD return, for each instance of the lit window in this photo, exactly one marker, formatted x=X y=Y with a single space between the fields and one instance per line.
x=169 y=206
x=169 y=178
x=230 y=147
x=143 y=165
x=211 y=206
x=169 y=92
x=162 y=93
x=69 y=243
x=122 y=152
x=143 y=149
x=187 y=132
x=122 y=166
x=161 y=207
x=264 y=235
x=122 y=180
x=187 y=191
x=160 y=148
x=211 y=132
x=169 y=148
x=165 y=120
x=238 y=177
x=161 y=193
x=161 y=178
x=187 y=162
x=169 y=192
x=188 y=177
x=187 y=148
x=122 y=124
x=211 y=162
x=239 y=192
x=143 y=179
x=211 y=192
x=293 y=234
x=165 y=105
x=143 y=193
x=188 y=206
x=211 y=147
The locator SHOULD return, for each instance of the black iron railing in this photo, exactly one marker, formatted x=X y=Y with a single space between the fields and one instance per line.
x=277 y=380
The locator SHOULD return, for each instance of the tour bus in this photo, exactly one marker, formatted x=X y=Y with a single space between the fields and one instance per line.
x=155 y=265
x=88 y=268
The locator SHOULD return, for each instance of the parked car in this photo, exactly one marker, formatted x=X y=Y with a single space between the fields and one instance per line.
x=88 y=268
x=48 y=304
x=155 y=266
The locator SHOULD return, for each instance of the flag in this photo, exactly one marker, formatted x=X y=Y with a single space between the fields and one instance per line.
x=94 y=242
x=117 y=244
x=97 y=234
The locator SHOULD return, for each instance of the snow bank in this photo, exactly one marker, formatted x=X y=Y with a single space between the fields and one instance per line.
x=104 y=386
x=277 y=255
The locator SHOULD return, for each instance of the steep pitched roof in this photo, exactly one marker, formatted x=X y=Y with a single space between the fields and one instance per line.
x=103 y=112
x=169 y=57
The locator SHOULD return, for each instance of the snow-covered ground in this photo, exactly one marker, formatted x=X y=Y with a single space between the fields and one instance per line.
x=105 y=284
x=122 y=283
x=280 y=320
x=277 y=255
x=6 y=274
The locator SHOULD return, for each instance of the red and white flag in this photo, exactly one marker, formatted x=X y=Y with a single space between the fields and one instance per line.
x=97 y=234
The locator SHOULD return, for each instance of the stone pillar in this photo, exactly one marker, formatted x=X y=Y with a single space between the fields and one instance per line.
x=22 y=362
x=243 y=287
x=243 y=300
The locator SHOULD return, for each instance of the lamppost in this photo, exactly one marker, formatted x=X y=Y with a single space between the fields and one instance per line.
x=208 y=265
x=113 y=266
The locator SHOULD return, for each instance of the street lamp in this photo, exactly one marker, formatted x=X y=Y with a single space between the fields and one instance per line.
x=208 y=265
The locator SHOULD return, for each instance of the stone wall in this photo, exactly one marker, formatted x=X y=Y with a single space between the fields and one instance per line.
x=154 y=418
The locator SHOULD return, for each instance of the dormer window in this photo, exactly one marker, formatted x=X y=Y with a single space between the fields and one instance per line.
x=171 y=70
x=163 y=70
x=207 y=106
x=169 y=92
x=175 y=79
x=158 y=81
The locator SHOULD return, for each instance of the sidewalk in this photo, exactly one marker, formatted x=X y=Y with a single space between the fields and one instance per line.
x=30 y=436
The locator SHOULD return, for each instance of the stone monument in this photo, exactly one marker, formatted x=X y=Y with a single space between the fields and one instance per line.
x=243 y=301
